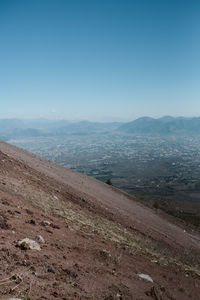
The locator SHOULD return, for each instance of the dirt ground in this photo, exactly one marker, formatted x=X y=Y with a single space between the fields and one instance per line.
x=97 y=239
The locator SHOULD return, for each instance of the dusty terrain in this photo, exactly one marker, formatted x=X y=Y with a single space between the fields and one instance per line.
x=97 y=239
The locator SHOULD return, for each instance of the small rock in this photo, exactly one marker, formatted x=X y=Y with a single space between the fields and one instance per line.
x=24 y=262
x=29 y=212
x=163 y=261
x=40 y=239
x=14 y=299
x=31 y=222
x=55 y=226
x=154 y=293
x=145 y=276
x=50 y=269
x=26 y=244
x=69 y=272
x=46 y=223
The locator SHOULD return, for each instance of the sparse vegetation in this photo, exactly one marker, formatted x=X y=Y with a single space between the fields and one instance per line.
x=181 y=289
x=156 y=205
x=105 y=254
x=109 y=182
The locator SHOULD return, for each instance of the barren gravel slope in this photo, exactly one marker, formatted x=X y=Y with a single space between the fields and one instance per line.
x=97 y=238
x=132 y=212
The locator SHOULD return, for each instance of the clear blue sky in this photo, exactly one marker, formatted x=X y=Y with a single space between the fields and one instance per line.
x=99 y=59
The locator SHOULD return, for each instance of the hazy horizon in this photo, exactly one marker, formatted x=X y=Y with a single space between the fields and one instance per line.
x=99 y=60
x=106 y=120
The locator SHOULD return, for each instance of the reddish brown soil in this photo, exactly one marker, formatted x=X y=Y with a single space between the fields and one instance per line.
x=98 y=241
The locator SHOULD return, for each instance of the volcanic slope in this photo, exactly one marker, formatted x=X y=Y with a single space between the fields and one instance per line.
x=97 y=242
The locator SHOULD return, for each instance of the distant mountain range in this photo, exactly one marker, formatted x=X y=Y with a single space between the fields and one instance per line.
x=16 y=128
x=164 y=125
